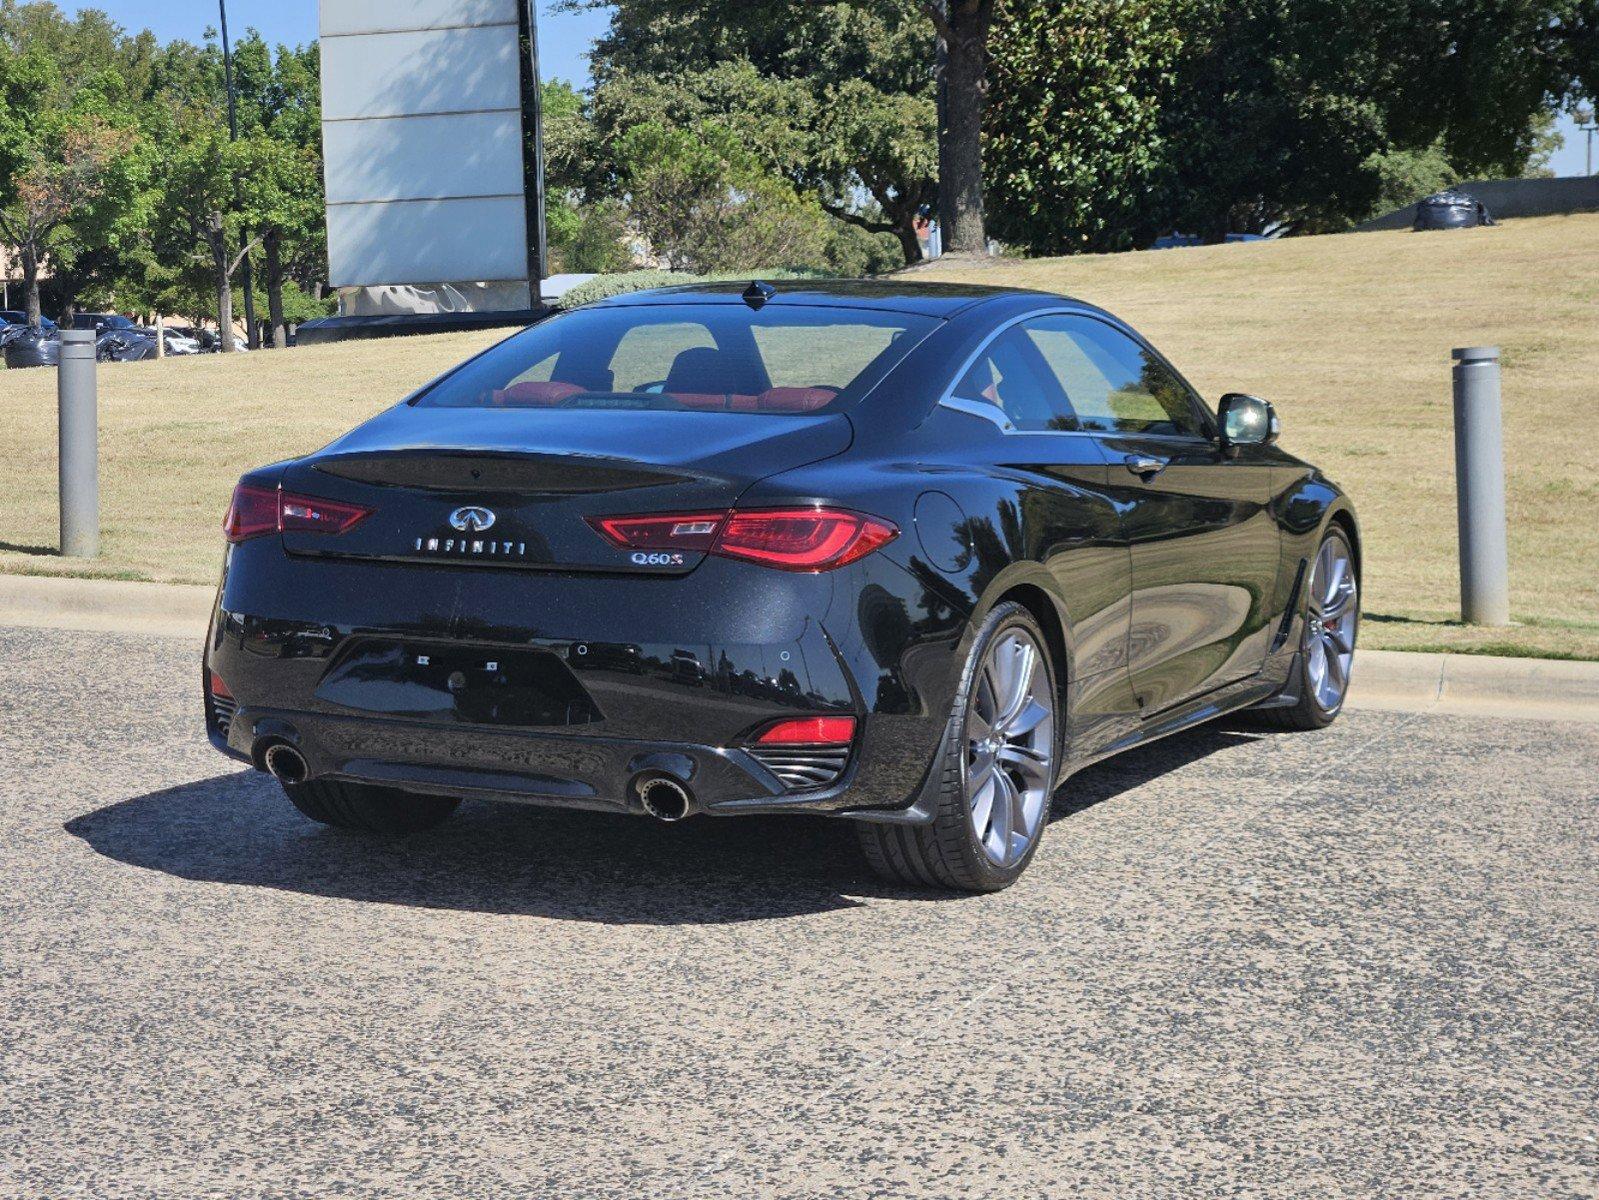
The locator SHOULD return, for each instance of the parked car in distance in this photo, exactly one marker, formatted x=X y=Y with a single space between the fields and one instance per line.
x=102 y=322
x=204 y=339
x=905 y=554
x=14 y=316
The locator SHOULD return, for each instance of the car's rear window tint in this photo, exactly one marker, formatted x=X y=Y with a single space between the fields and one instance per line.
x=694 y=357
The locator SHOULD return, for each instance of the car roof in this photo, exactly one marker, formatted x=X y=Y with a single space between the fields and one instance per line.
x=894 y=295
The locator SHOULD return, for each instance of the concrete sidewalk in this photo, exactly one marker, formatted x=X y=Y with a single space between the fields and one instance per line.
x=1469 y=684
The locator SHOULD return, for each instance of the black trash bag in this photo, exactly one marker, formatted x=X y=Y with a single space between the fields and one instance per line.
x=1450 y=210
x=33 y=348
x=124 y=345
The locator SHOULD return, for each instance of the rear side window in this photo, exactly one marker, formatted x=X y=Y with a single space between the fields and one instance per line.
x=1015 y=378
x=1114 y=384
x=692 y=357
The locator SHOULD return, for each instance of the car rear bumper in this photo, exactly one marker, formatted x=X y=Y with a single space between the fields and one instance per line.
x=677 y=674
x=564 y=770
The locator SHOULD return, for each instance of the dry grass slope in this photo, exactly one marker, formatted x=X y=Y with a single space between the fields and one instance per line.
x=1348 y=335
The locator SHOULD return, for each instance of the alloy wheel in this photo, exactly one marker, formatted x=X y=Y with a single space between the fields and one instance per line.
x=1010 y=747
x=1330 y=624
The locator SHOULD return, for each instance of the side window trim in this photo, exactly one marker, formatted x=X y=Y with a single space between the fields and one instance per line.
x=992 y=412
x=996 y=416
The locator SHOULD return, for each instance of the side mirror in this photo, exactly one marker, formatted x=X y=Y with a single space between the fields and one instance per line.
x=1247 y=421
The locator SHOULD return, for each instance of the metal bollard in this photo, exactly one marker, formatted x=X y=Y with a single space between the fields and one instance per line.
x=1480 y=487
x=80 y=453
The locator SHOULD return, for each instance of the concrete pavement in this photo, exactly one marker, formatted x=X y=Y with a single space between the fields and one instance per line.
x=1354 y=963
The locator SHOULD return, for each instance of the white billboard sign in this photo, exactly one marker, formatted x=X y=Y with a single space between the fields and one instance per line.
x=422 y=136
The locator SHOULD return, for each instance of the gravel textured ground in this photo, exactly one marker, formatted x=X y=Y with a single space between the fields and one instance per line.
x=1356 y=963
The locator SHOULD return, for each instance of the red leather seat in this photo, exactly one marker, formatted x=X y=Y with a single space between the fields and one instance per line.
x=534 y=394
x=794 y=399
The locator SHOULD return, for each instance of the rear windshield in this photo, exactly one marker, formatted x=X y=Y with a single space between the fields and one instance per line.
x=693 y=357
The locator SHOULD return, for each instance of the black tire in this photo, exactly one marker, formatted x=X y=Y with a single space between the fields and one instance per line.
x=945 y=853
x=367 y=808
x=1307 y=714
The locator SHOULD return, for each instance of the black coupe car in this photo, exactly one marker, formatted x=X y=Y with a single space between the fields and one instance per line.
x=906 y=554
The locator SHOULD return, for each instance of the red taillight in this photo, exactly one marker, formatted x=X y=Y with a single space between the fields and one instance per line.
x=218 y=688
x=258 y=510
x=803 y=539
x=790 y=539
x=307 y=514
x=254 y=511
x=670 y=531
x=809 y=731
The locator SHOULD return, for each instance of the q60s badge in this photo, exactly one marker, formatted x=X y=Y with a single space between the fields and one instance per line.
x=656 y=559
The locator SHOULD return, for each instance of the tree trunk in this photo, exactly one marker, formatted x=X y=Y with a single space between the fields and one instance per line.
x=30 y=286
x=963 y=93
x=219 y=257
x=909 y=244
x=272 y=247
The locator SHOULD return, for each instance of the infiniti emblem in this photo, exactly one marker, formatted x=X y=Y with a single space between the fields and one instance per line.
x=472 y=518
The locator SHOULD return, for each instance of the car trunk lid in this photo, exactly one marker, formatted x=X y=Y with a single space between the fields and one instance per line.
x=513 y=488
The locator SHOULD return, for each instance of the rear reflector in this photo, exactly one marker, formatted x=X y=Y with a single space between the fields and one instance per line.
x=790 y=539
x=218 y=688
x=809 y=731
x=258 y=510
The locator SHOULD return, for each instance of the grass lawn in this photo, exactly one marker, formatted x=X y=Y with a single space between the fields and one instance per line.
x=1348 y=335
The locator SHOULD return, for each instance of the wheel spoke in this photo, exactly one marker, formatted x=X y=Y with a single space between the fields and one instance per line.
x=1336 y=673
x=987 y=702
x=1318 y=663
x=1018 y=813
x=1339 y=637
x=1032 y=763
x=1333 y=580
x=1032 y=715
x=1018 y=683
x=1000 y=819
x=980 y=773
x=1338 y=606
x=983 y=806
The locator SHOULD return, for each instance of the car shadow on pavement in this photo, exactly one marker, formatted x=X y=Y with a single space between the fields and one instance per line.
x=1111 y=778
x=513 y=859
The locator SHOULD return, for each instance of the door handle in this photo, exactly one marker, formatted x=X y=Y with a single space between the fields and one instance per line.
x=1144 y=465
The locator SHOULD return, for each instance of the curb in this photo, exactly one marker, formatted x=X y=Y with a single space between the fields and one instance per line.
x=106 y=605
x=1475 y=685
x=1395 y=680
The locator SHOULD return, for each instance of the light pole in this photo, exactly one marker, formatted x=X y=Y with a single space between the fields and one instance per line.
x=1585 y=124
x=250 y=336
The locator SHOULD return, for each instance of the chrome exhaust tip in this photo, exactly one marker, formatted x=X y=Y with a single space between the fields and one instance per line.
x=285 y=763
x=663 y=797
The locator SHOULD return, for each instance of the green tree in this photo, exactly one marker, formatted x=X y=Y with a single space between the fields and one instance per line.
x=62 y=156
x=586 y=229
x=202 y=212
x=1286 y=113
x=1074 y=143
x=837 y=96
x=705 y=205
